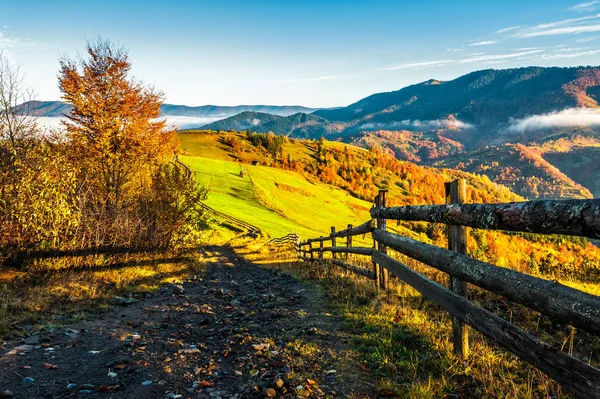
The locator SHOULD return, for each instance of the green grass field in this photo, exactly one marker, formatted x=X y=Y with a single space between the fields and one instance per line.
x=276 y=201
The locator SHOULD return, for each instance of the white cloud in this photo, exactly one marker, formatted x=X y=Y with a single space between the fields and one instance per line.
x=570 y=26
x=454 y=50
x=583 y=7
x=565 y=118
x=585 y=39
x=180 y=122
x=567 y=30
x=567 y=55
x=420 y=125
x=509 y=29
x=483 y=43
x=484 y=58
x=13 y=43
x=418 y=65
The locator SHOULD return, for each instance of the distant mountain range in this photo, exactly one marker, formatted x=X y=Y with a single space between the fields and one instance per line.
x=58 y=108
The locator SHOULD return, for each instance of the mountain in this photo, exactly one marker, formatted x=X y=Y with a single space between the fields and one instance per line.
x=47 y=108
x=482 y=102
x=298 y=125
x=243 y=121
x=58 y=108
x=500 y=123
x=206 y=111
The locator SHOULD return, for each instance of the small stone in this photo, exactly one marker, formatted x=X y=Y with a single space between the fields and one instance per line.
x=24 y=348
x=146 y=383
x=84 y=391
x=28 y=380
x=6 y=394
x=279 y=383
x=33 y=340
x=71 y=386
x=177 y=289
x=123 y=301
x=270 y=392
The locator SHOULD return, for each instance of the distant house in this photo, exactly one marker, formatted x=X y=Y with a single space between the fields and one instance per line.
x=255 y=163
x=243 y=173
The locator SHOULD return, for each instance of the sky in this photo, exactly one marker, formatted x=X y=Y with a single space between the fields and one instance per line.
x=312 y=53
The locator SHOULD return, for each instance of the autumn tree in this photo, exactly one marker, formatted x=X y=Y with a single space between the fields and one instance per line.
x=37 y=192
x=18 y=128
x=114 y=133
x=130 y=195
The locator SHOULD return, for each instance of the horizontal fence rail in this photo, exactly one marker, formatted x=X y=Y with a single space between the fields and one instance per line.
x=290 y=238
x=559 y=302
x=569 y=217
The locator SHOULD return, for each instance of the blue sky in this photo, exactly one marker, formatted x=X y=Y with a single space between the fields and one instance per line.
x=314 y=53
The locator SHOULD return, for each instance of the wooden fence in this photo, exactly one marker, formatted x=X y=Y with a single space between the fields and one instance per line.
x=561 y=303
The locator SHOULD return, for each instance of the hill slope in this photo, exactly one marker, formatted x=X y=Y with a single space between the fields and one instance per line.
x=297 y=125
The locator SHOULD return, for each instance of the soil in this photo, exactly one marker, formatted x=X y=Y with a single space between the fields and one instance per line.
x=238 y=331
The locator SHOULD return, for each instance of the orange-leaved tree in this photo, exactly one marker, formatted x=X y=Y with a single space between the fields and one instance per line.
x=115 y=136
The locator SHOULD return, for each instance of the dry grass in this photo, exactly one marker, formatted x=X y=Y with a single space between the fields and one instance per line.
x=405 y=339
x=48 y=293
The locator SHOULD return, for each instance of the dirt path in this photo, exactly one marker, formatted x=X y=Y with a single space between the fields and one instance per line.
x=239 y=331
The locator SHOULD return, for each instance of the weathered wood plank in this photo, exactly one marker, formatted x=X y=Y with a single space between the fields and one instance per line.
x=364 y=228
x=351 y=250
x=381 y=224
x=333 y=240
x=348 y=241
x=355 y=269
x=456 y=192
x=562 y=303
x=575 y=376
x=571 y=217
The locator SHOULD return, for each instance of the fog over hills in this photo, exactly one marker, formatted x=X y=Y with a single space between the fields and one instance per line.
x=181 y=115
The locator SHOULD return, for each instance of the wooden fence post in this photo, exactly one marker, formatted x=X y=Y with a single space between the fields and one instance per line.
x=333 y=241
x=297 y=245
x=348 y=242
x=310 y=248
x=456 y=193
x=376 y=267
x=381 y=224
x=321 y=247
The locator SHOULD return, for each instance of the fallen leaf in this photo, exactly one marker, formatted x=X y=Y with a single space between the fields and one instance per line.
x=205 y=384
x=49 y=366
x=121 y=367
x=105 y=388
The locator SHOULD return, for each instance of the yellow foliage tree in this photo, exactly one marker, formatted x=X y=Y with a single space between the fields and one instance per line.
x=116 y=139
